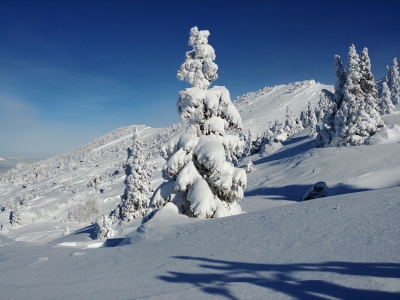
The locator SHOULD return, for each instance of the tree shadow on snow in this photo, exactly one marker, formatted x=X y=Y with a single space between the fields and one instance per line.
x=293 y=151
x=295 y=192
x=219 y=275
x=88 y=230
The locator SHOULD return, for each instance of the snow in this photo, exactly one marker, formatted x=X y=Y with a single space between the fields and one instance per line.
x=342 y=246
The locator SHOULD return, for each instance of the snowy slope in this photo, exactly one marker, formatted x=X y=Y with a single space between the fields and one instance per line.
x=259 y=109
x=343 y=247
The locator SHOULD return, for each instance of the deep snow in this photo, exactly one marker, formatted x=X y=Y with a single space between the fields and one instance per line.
x=345 y=246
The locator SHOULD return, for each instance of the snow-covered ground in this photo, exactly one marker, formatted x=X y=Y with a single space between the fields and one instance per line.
x=344 y=246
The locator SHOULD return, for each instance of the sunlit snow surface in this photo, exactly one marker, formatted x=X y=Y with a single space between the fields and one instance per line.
x=345 y=246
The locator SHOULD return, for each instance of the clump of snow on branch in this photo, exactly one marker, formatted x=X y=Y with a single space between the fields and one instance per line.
x=199 y=69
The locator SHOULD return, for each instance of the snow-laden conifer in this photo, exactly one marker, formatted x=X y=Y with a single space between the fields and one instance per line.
x=367 y=81
x=199 y=160
x=394 y=82
x=327 y=129
x=357 y=118
x=386 y=105
x=249 y=165
x=308 y=116
x=138 y=187
x=199 y=69
x=326 y=100
x=15 y=217
x=292 y=123
x=103 y=227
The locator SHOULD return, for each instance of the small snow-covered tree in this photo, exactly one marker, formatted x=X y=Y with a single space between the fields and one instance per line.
x=15 y=217
x=199 y=160
x=249 y=165
x=386 y=105
x=292 y=124
x=139 y=189
x=66 y=231
x=199 y=69
x=357 y=118
x=308 y=116
x=103 y=227
x=326 y=100
x=3 y=228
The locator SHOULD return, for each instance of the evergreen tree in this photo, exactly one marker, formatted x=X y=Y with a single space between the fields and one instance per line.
x=292 y=124
x=103 y=227
x=199 y=69
x=367 y=81
x=138 y=190
x=309 y=116
x=327 y=130
x=249 y=165
x=15 y=217
x=199 y=160
x=326 y=100
x=386 y=105
x=357 y=117
x=395 y=82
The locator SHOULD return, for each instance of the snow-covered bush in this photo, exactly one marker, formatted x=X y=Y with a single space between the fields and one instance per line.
x=199 y=160
x=85 y=212
x=386 y=106
x=138 y=187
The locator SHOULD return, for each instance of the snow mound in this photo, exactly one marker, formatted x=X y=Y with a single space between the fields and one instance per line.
x=388 y=135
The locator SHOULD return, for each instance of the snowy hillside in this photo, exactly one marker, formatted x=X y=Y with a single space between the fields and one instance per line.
x=342 y=246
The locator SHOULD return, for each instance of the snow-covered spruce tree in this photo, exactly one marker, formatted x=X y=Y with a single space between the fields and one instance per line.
x=394 y=83
x=386 y=105
x=367 y=81
x=327 y=128
x=199 y=161
x=357 y=118
x=249 y=165
x=15 y=217
x=292 y=124
x=138 y=187
x=103 y=227
x=308 y=116
x=326 y=100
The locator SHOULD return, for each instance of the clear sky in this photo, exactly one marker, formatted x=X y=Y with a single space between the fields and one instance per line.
x=71 y=71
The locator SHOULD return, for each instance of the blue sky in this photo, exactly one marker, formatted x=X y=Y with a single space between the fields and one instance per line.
x=71 y=71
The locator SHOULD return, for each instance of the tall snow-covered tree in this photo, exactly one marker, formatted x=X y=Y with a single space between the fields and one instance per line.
x=357 y=118
x=199 y=69
x=367 y=81
x=327 y=130
x=138 y=187
x=199 y=160
x=386 y=105
x=394 y=82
